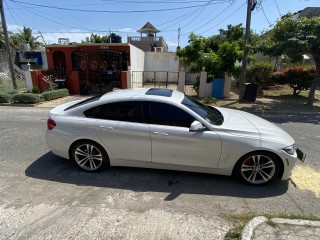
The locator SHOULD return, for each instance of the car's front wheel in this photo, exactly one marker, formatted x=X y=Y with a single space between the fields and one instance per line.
x=89 y=156
x=257 y=168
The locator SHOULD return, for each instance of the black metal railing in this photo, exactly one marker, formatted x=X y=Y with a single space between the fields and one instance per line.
x=155 y=79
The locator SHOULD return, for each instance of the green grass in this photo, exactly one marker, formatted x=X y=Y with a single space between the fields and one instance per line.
x=241 y=220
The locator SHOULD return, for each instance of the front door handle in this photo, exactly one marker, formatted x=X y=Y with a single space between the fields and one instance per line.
x=160 y=134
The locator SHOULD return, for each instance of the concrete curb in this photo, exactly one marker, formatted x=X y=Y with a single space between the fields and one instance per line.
x=298 y=222
x=248 y=230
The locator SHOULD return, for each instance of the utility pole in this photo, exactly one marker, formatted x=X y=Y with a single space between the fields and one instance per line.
x=250 y=8
x=110 y=39
x=6 y=39
x=179 y=30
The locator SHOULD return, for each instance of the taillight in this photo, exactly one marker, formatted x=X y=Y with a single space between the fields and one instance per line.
x=51 y=124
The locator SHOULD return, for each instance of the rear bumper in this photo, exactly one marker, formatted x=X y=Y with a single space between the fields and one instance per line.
x=57 y=144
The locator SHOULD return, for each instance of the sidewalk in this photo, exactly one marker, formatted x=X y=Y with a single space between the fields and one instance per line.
x=261 y=228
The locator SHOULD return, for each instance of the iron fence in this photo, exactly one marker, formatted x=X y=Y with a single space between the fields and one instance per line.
x=146 y=79
x=6 y=81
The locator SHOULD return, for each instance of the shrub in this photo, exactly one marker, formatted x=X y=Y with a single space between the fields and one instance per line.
x=299 y=78
x=278 y=78
x=54 y=94
x=35 y=90
x=260 y=73
x=26 y=98
x=11 y=92
x=5 y=97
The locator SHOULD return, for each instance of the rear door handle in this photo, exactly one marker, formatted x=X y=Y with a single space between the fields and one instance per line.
x=105 y=127
x=160 y=134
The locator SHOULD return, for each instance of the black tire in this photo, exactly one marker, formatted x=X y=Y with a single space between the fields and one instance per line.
x=257 y=168
x=89 y=156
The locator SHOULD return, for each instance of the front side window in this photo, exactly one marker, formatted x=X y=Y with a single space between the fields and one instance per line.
x=166 y=114
x=120 y=111
x=211 y=115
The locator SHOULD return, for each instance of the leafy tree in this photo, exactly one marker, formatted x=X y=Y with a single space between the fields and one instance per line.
x=217 y=53
x=95 y=38
x=24 y=36
x=295 y=37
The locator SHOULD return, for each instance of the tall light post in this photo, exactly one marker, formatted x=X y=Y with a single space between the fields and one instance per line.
x=6 y=40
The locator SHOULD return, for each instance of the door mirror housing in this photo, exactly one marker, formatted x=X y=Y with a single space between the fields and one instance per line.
x=196 y=126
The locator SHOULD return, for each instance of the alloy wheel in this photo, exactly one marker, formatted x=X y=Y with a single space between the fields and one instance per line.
x=258 y=169
x=88 y=157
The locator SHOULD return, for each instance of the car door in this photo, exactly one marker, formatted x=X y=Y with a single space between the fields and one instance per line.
x=173 y=143
x=121 y=128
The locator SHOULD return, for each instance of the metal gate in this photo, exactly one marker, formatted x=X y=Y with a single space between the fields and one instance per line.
x=191 y=86
x=99 y=70
x=156 y=79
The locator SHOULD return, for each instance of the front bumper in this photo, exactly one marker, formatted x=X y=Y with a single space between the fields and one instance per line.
x=290 y=161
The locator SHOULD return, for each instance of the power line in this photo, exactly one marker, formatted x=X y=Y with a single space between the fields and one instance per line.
x=209 y=20
x=224 y=19
x=197 y=14
x=189 y=15
x=107 y=11
x=275 y=1
x=265 y=15
x=54 y=21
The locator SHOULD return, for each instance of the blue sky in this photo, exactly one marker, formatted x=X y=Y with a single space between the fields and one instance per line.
x=77 y=19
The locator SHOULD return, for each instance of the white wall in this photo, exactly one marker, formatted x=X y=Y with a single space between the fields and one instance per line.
x=137 y=58
x=161 y=61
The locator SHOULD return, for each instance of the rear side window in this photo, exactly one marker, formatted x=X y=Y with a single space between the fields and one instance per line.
x=120 y=111
x=166 y=114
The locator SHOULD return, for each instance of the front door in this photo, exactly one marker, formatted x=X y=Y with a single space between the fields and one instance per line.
x=172 y=143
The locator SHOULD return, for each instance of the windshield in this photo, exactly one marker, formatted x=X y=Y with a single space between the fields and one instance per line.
x=208 y=113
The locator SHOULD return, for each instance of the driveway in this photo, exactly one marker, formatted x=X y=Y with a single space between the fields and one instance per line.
x=45 y=196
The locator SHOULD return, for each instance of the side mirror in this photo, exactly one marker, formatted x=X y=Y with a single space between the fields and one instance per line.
x=196 y=126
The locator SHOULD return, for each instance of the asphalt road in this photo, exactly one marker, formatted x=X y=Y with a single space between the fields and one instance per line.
x=43 y=196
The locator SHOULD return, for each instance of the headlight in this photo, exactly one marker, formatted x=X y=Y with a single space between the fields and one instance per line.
x=290 y=150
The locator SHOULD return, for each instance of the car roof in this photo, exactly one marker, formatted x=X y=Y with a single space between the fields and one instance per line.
x=165 y=95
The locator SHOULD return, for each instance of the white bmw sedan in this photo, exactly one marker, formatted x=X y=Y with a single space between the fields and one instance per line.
x=165 y=129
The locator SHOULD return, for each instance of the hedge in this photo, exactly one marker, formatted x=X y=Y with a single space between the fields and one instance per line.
x=54 y=94
x=26 y=98
x=5 y=97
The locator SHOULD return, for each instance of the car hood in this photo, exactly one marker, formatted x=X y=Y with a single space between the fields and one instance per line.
x=246 y=124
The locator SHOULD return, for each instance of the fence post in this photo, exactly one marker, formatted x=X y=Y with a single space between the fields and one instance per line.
x=182 y=80
x=28 y=77
x=129 y=80
x=203 y=83
x=167 y=80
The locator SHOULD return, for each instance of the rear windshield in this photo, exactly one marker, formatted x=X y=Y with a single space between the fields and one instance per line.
x=89 y=100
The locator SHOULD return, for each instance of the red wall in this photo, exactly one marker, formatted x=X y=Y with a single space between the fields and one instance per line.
x=73 y=84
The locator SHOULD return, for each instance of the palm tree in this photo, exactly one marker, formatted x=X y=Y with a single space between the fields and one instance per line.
x=25 y=36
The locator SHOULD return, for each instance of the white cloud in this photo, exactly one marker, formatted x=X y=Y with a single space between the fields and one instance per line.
x=14 y=28
x=74 y=36
x=127 y=30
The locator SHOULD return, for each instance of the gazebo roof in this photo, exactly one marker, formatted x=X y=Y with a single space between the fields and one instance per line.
x=148 y=28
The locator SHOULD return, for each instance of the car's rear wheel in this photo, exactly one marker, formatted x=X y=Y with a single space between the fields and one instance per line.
x=89 y=156
x=257 y=168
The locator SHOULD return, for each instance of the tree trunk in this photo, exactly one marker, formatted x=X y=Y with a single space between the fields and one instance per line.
x=314 y=84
